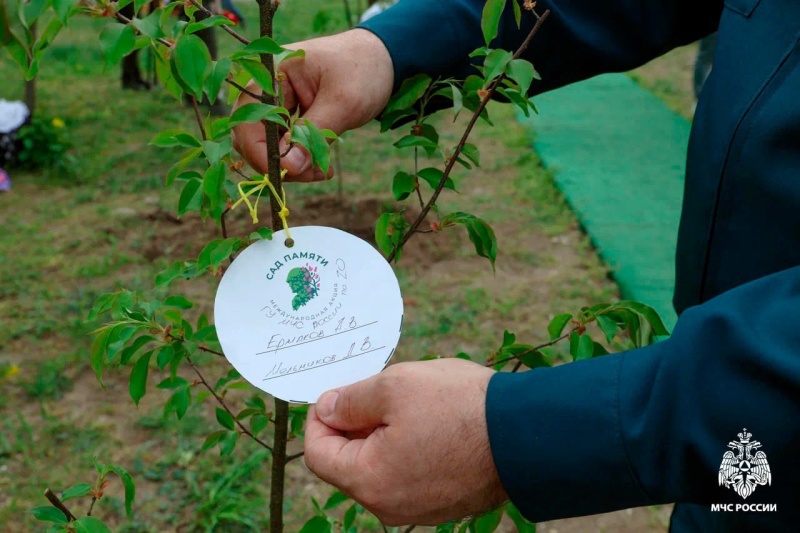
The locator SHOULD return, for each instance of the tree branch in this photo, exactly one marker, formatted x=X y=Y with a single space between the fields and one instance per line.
x=534 y=349
x=199 y=118
x=294 y=456
x=245 y=90
x=224 y=405
x=58 y=504
x=460 y=146
x=228 y=29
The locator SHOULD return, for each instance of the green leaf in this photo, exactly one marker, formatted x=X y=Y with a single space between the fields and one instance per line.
x=517 y=13
x=178 y=301
x=350 y=516
x=258 y=423
x=479 y=232
x=179 y=402
x=650 y=314
x=190 y=63
x=433 y=176
x=488 y=522
x=535 y=359
x=213 y=439
x=175 y=137
x=116 y=41
x=90 y=524
x=508 y=338
x=490 y=19
x=256 y=112
x=389 y=231
x=138 y=382
x=210 y=22
x=47 y=513
x=470 y=151
x=173 y=382
x=49 y=34
x=214 y=151
x=318 y=524
x=495 y=64
x=219 y=71
x=165 y=355
x=225 y=419
x=261 y=233
x=259 y=73
x=216 y=252
x=402 y=185
x=557 y=325
x=313 y=140
x=191 y=198
x=63 y=9
x=336 y=499
x=522 y=523
x=228 y=442
x=522 y=72
x=76 y=491
x=581 y=347
x=411 y=90
x=415 y=140
x=262 y=45
x=130 y=488
x=458 y=100
x=608 y=327
x=150 y=26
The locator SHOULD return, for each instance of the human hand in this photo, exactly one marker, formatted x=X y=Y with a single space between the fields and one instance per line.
x=410 y=444
x=344 y=81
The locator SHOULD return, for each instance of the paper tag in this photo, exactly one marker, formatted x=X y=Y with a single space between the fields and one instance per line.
x=296 y=322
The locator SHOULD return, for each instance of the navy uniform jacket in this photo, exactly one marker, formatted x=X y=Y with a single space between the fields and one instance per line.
x=651 y=425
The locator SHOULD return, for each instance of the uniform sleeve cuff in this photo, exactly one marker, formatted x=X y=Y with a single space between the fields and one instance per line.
x=557 y=442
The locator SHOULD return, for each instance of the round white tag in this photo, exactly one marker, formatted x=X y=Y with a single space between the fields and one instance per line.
x=296 y=322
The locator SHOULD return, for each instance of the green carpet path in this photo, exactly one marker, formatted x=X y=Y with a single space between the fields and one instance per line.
x=618 y=155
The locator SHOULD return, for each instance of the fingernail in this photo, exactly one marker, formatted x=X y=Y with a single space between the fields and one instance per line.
x=298 y=161
x=326 y=403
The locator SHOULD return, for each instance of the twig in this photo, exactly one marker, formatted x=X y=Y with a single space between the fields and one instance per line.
x=228 y=29
x=294 y=456
x=409 y=529
x=199 y=118
x=222 y=222
x=126 y=20
x=416 y=177
x=199 y=347
x=58 y=504
x=224 y=405
x=245 y=90
x=91 y=506
x=385 y=530
x=452 y=160
x=534 y=349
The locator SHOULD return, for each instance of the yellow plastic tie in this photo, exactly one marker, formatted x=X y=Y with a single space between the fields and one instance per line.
x=258 y=188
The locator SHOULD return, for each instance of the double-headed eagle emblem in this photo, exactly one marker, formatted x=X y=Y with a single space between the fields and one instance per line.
x=741 y=469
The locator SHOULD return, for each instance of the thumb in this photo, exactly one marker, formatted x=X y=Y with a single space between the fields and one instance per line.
x=356 y=407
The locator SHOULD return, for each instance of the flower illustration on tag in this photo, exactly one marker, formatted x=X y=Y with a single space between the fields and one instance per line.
x=304 y=282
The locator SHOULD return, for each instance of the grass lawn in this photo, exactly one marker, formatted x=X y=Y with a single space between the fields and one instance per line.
x=67 y=239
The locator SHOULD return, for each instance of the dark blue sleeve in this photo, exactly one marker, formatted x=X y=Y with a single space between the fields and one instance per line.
x=581 y=38
x=651 y=425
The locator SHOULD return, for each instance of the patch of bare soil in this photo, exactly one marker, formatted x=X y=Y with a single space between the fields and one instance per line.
x=181 y=238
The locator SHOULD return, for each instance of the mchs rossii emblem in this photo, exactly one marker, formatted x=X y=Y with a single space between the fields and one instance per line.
x=741 y=469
